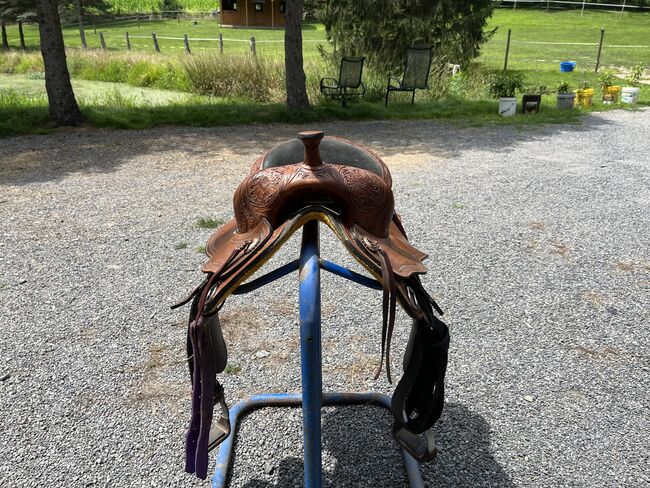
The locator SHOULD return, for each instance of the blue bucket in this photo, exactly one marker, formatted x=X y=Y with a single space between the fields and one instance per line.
x=567 y=66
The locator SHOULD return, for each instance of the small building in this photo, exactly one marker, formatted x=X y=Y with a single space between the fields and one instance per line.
x=249 y=13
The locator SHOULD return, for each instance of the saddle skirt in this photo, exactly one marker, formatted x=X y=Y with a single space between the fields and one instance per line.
x=349 y=188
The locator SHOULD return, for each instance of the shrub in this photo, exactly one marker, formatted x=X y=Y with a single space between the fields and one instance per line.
x=606 y=79
x=505 y=84
x=635 y=75
x=236 y=76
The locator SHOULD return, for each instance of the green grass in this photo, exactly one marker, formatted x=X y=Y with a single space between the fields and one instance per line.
x=528 y=26
x=236 y=40
x=33 y=85
x=117 y=108
x=126 y=6
x=142 y=98
x=534 y=26
x=232 y=369
x=208 y=223
x=180 y=245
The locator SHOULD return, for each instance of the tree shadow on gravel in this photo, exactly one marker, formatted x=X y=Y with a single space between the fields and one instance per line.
x=358 y=451
x=30 y=159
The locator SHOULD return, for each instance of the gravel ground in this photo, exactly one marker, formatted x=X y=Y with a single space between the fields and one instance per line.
x=539 y=253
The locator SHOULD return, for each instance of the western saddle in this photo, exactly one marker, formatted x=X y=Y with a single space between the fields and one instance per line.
x=349 y=188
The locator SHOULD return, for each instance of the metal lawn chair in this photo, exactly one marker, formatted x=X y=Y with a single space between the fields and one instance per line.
x=416 y=72
x=349 y=83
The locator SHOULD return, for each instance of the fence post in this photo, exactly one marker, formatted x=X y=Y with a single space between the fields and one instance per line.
x=623 y=7
x=128 y=41
x=600 y=48
x=253 y=48
x=94 y=27
x=21 y=34
x=102 y=43
x=187 y=44
x=155 y=42
x=178 y=18
x=137 y=17
x=82 y=36
x=220 y=42
x=505 y=61
x=5 y=41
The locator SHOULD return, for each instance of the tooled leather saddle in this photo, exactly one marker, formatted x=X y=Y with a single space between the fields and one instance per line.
x=349 y=188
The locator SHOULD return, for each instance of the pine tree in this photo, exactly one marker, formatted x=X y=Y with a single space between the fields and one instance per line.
x=381 y=30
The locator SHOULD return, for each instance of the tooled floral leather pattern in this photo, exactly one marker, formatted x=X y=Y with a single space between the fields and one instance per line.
x=363 y=197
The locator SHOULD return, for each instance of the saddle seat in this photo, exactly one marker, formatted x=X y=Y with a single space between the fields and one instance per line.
x=349 y=188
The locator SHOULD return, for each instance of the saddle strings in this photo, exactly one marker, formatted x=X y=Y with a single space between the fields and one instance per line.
x=389 y=303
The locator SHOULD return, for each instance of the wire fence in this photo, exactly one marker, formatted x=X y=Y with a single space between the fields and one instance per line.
x=621 y=6
x=506 y=50
x=189 y=44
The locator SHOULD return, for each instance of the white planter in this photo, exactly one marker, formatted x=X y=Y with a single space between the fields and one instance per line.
x=630 y=94
x=507 y=106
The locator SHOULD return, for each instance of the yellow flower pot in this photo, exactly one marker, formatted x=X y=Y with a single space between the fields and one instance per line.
x=611 y=94
x=584 y=97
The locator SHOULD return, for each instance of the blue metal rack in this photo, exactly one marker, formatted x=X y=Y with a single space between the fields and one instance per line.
x=312 y=397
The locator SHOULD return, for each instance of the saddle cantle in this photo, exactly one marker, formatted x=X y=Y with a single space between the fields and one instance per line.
x=349 y=188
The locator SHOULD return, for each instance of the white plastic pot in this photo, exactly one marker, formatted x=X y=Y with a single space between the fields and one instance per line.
x=630 y=94
x=507 y=106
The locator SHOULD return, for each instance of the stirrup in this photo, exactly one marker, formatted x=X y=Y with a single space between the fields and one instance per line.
x=220 y=430
x=422 y=450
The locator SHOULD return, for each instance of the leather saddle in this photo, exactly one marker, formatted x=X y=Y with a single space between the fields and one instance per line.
x=349 y=188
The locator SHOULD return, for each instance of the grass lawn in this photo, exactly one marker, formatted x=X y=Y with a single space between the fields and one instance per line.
x=123 y=106
x=528 y=26
x=268 y=42
x=534 y=52
x=34 y=86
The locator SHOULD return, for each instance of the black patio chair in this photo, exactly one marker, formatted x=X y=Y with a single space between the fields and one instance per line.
x=417 y=65
x=349 y=83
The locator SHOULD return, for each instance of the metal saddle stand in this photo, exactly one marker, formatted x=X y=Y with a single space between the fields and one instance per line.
x=312 y=397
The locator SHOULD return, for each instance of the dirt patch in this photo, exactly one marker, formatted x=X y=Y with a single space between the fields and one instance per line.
x=155 y=383
x=594 y=297
x=560 y=249
x=606 y=352
x=633 y=267
x=535 y=225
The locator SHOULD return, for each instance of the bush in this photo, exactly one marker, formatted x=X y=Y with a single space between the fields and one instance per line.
x=505 y=84
x=236 y=76
x=381 y=30
x=133 y=68
x=21 y=62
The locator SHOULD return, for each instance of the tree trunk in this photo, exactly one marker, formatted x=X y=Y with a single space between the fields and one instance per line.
x=5 y=41
x=295 y=74
x=63 y=106
x=82 y=32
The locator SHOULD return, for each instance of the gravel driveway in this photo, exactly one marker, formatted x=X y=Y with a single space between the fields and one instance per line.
x=539 y=244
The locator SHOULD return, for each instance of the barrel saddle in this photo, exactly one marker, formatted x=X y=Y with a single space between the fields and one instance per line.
x=347 y=187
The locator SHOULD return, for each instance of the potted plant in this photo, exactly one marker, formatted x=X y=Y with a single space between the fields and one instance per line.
x=565 y=96
x=630 y=94
x=532 y=99
x=609 y=90
x=504 y=86
x=584 y=93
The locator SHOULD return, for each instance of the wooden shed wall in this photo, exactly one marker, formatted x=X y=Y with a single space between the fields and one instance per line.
x=263 y=18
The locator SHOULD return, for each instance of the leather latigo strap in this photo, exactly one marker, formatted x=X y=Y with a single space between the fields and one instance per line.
x=348 y=188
